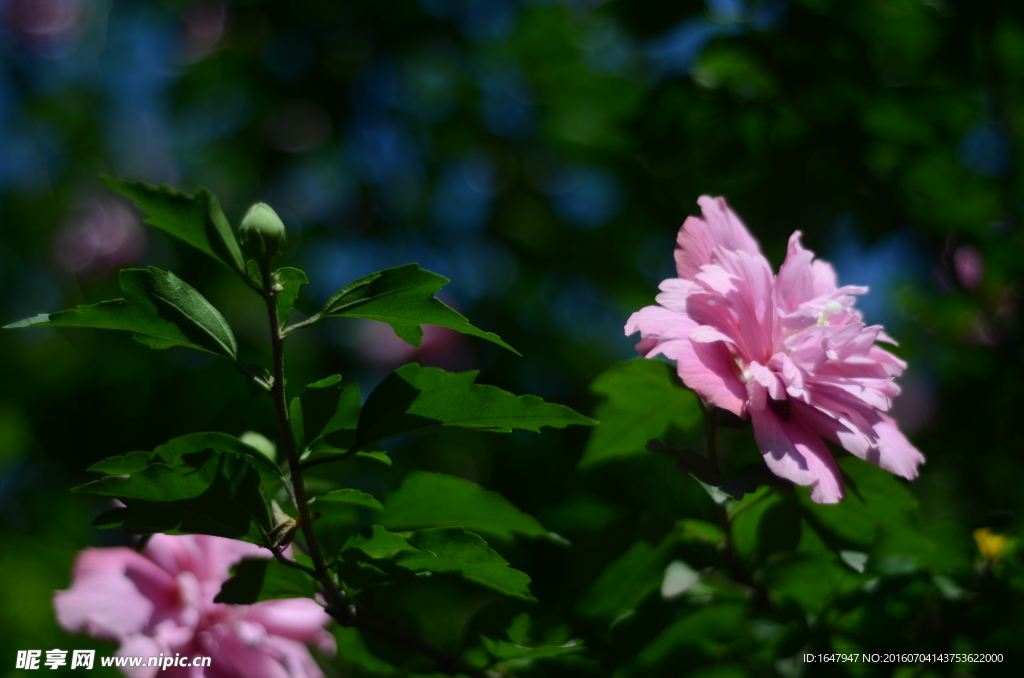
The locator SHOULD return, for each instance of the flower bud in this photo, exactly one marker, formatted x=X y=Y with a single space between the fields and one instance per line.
x=262 y=233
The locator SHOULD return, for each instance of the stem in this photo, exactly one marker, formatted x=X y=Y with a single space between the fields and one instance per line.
x=337 y=606
x=277 y=393
x=710 y=429
x=291 y=563
x=711 y=446
x=299 y=325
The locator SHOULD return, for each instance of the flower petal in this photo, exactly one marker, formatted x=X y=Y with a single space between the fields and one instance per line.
x=793 y=451
x=718 y=226
x=709 y=369
x=896 y=454
x=102 y=600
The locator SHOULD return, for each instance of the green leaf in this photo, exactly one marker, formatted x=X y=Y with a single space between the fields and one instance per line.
x=878 y=516
x=257 y=579
x=628 y=580
x=415 y=399
x=403 y=297
x=643 y=399
x=440 y=500
x=452 y=550
x=122 y=465
x=197 y=220
x=344 y=440
x=290 y=279
x=503 y=650
x=204 y=492
x=348 y=497
x=443 y=550
x=313 y=411
x=379 y=544
x=175 y=449
x=159 y=307
x=353 y=649
x=810 y=581
x=697 y=638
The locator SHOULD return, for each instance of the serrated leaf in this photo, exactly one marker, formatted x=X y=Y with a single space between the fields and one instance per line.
x=348 y=497
x=452 y=550
x=444 y=550
x=403 y=297
x=313 y=412
x=415 y=399
x=643 y=399
x=205 y=492
x=257 y=579
x=291 y=279
x=379 y=544
x=440 y=500
x=159 y=307
x=197 y=220
x=174 y=449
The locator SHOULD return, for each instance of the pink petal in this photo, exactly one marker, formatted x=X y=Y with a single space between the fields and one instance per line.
x=140 y=646
x=793 y=451
x=233 y=658
x=705 y=334
x=296 y=618
x=895 y=453
x=295 y=657
x=796 y=282
x=769 y=380
x=709 y=369
x=718 y=226
x=102 y=601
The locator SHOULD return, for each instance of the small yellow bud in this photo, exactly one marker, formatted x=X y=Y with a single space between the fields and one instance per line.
x=991 y=545
x=262 y=233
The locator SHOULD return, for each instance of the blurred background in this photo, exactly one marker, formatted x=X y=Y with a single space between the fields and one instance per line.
x=540 y=153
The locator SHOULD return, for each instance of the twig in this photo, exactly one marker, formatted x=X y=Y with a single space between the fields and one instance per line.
x=299 y=325
x=337 y=606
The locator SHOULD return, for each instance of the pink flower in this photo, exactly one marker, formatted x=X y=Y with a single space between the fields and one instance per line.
x=161 y=601
x=789 y=351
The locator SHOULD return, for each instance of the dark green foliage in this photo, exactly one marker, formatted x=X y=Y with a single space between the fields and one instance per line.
x=889 y=133
x=402 y=297
x=257 y=579
x=416 y=399
x=313 y=411
x=196 y=220
x=643 y=399
x=465 y=504
x=438 y=551
x=202 y=492
x=160 y=308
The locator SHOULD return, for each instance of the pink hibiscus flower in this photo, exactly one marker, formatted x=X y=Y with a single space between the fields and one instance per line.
x=789 y=351
x=161 y=601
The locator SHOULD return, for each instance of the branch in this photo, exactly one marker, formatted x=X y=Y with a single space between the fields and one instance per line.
x=337 y=606
x=299 y=325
